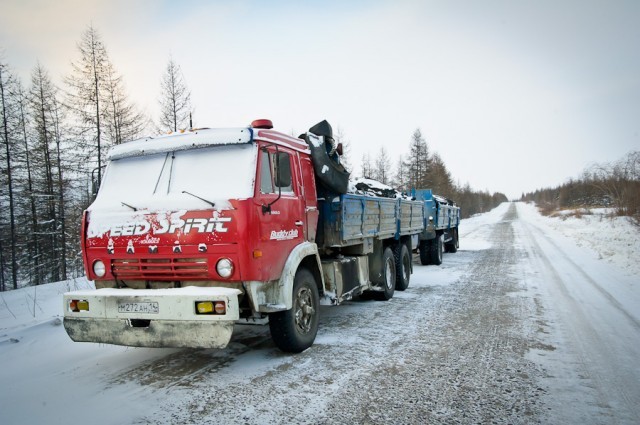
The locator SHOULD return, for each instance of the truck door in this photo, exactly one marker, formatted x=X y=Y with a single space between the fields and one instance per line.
x=281 y=207
x=310 y=198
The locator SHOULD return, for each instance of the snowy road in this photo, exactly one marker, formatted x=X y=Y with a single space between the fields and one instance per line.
x=520 y=326
x=595 y=317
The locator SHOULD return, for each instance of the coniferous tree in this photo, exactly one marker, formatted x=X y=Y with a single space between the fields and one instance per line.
x=439 y=178
x=86 y=99
x=175 y=99
x=123 y=121
x=418 y=161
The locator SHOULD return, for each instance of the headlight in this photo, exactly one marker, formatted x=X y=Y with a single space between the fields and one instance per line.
x=99 y=269
x=224 y=267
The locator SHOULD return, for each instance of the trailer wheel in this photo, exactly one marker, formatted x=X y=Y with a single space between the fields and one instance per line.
x=295 y=330
x=403 y=266
x=388 y=276
x=453 y=245
x=437 y=250
x=425 y=253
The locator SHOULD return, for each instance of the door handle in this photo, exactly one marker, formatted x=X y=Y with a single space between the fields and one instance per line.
x=299 y=223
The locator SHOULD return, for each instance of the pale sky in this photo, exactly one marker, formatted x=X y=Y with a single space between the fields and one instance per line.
x=513 y=95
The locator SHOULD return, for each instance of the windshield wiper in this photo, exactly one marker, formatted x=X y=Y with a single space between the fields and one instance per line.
x=130 y=206
x=202 y=199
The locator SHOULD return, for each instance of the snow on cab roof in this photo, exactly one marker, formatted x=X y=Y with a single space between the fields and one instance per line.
x=182 y=141
x=202 y=138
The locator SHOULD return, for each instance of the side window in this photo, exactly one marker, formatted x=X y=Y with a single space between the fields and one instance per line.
x=275 y=172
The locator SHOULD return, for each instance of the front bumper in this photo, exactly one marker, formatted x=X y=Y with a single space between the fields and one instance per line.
x=175 y=324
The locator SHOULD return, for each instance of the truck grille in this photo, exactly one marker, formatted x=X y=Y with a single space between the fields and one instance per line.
x=160 y=268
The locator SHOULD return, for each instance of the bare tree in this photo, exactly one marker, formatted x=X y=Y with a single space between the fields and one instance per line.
x=175 y=99
x=8 y=113
x=45 y=115
x=382 y=171
x=400 y=179
x=620 y=182
x=366 y=167
x=33 y=252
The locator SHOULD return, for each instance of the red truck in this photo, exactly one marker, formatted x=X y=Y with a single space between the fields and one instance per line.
x=193 y=232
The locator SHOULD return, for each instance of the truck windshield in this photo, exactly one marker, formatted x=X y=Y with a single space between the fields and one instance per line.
x=157 y=182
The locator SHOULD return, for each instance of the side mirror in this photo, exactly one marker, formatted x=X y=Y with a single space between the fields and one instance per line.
x=96 y=175
x=340 y=149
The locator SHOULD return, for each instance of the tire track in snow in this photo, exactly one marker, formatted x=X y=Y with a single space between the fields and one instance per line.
x=610 y=298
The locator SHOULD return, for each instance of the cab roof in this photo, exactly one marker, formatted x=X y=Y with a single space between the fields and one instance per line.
x=202 y=138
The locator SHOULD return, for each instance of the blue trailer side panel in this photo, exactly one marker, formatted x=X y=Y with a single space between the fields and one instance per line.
x=349 y=219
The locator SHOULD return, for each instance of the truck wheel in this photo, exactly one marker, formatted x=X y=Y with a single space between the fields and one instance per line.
x=403 y=266
x=425 y=253
x=295 y=330
x=437 y=250
x=388 y=276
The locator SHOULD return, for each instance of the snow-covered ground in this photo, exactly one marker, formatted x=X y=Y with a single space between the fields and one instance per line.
x=559 y=344
x=585 y=272
x=612 y=239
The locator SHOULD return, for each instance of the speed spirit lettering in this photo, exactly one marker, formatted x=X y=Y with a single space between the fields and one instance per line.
x=190 y=225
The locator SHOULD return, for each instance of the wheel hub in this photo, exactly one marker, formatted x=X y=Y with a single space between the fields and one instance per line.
x=304 y=310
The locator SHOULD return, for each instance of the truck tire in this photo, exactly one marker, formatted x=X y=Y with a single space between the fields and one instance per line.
x=403 y=266
x=388 y=276
x=295 y=330
x=437 y=250
x=453 y=245
x=425 y=253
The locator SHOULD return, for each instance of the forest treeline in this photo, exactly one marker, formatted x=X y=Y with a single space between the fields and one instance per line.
x=53 y=152
x=614 y=185
x=424 y=169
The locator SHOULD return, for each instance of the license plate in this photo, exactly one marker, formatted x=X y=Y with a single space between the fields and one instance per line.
x=141 y=307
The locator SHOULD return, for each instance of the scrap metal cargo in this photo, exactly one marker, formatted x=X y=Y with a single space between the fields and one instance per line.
x=192 y=233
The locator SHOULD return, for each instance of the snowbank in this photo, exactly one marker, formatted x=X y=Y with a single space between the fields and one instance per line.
x=35 y=304
x=614 y=240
